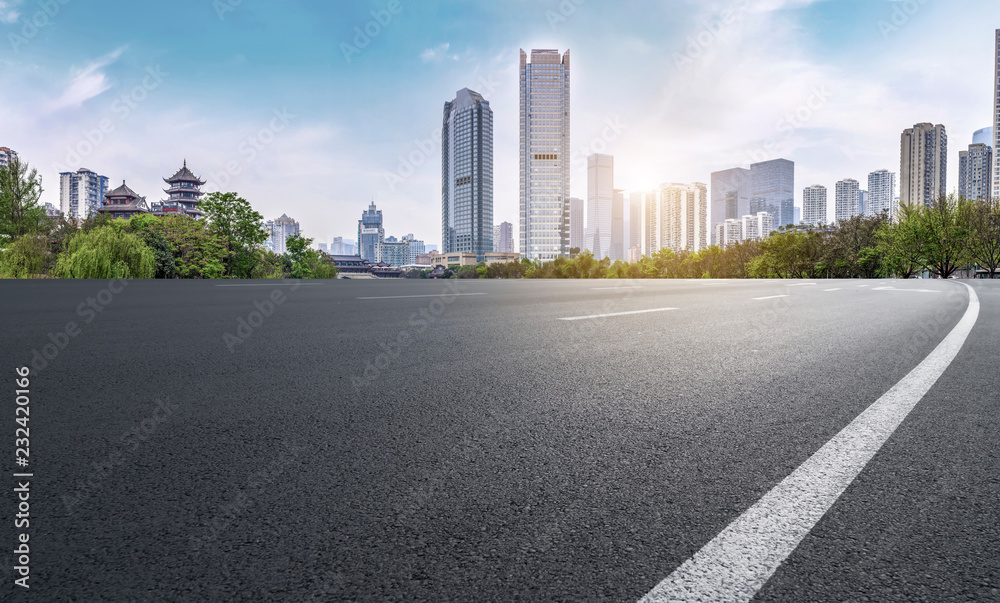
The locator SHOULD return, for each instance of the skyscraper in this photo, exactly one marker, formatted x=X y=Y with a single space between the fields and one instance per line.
x=503 y=241
x=370 y=234
x=467 y=175
x=730 y=195
x=416 y=247
x=635 y=220
x=649 y=223
x=983 y=136
x=863 y=203
x=846 y=204
x=974 y=167
x=280 y=230
x=618 y=227
x=545 y=155
x=773 y=190
x=81 y=193
x=814 y=205
x=995 y=177
x=600 y=196
x=576 y=225
x=683 y=217
x=923 y=165
x=882 y=193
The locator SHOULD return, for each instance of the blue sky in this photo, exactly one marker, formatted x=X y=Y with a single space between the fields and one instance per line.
x=260 y=97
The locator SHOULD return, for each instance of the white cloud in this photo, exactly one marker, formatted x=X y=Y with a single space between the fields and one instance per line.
x=8 y=12
x=438 y=54
x=88 y=82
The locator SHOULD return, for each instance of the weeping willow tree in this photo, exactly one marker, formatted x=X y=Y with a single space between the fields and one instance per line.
x=108 y=252
x=26 y=257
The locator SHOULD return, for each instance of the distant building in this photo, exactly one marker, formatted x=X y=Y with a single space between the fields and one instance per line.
x=503 y=241
x=416 y=248
x=280 y=230
x=396 y=253
x=995 y=177
x=545 y=149
x=814 y=205
x=123 y=203
x=683 y=217
x=772 y=190
x=81 y=193
x=649 y=220
x=502 y=257
x=467 y=174
x=846 y=204
x=757 y=226
x=618 y=226
x=882 y=193
x=6 y=156
x=923 y=170
x=729 y=232
x=454 y=259
x=52 y=211
x=634 y=254
x=983 y=136
x=371 y=234
x=600 y=196
x=577 y=228
x=863 y=203
x=798 y=215
x=634 y=219
x=730 y=195
x=324 y=248
x=183 y=195
x=974 y=165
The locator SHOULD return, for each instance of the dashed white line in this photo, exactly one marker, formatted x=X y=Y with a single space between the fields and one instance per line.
x=768 y=297
x=410 y=296
x=592 y=316
x=734 y=565
x=274 y=285
x=907 y=290
x=837 y=289
x=802 y=285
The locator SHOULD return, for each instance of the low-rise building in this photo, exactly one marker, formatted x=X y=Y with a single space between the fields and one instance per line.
x=498 y=257
x=454 y=259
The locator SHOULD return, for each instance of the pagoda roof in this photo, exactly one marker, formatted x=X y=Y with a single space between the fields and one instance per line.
x=137 y=204
x=184 y=175
x=122 y=191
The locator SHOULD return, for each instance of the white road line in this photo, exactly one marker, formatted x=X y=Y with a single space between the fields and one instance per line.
x=769 y=297
x=744 y=556
x=410 y=296
x=802 y=285
x=828 y=290
x=617 y=314
x=907 y=290
x=274 y=285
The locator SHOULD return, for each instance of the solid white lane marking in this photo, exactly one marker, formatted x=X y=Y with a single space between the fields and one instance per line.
x=802 y=285
x=744 y=556
x=409 y=296
x=592 y=316
x=274 y=285
x=837 y=289
x=769 y=297
x=908 y=290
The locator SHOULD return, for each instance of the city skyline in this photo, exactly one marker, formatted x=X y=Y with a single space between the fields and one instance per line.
x=55 y=99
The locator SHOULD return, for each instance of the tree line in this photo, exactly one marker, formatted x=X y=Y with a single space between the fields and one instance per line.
x=228 y=243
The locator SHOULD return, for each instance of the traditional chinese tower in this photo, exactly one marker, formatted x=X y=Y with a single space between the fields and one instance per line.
x=183 y=195
x=124 y=203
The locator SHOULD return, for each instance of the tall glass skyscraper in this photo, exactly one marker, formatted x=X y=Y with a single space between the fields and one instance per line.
x=600 y=197
x=545 y=155
x=772 y=189
x=730 y=196
x=371 y=234
x=467 y=175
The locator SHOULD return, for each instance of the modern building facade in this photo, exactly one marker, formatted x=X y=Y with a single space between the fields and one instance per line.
x=983 y=136
x=682 y=217
x=863 y=203
x=503 y=238
x=280 y=230
x=757 y=226
x=600 y=197
x=416 y=247
x=773 y=190
x=923 y=166
x=730 y=195
x=635 y=220
x=545 y=155
x=183 y=195
x=814 y=205
x=123 y=203
x=467 y=175
x=6 y=156
x=396 y=253
x=577 y=228
x=729 y=232
x=847 y=198
x=974 y=167
x=371 y=234
x=618 y=250
x=81 y=193
x=995 y=177
x=881 y=193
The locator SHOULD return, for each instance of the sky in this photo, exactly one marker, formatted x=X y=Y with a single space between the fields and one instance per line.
x=314 y=108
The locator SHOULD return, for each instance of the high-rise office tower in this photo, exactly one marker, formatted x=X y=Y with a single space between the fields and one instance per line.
x=279 y=231
x=882 y=193
x=730 y=195
x=618 y=251
x=772 y=190
x=467 y=175
x=545 y=155
x=983 y=136
x=416 y=247
x=683 y=217
x=503 y=241
x=923 y=164
x=995 y=177
x=600 y=196
x=649 y=242
x=974 y=167
x=846 y=204
x=814 y=205
x=81 y=193
x=863 y=203
x=635 y=220
x=576 y=225
x=371 y=234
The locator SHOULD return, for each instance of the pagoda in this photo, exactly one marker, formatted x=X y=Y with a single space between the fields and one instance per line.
x=184 y=194
x=123 y=203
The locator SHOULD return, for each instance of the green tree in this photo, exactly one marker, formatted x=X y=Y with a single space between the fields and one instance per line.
x=297 y=248
x=943 y=235
x=28 y=256
x=104 y=253
x=982 y=219
x=20 y=190
x=242 y=227
x=199 y=251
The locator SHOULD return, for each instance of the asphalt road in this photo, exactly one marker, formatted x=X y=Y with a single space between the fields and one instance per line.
x=392 y=441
